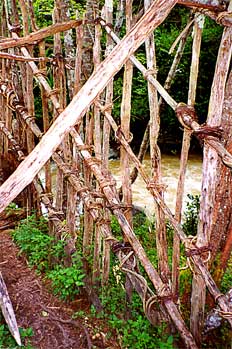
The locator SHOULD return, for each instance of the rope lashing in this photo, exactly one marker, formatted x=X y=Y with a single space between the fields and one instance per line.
x=186 y=115
x=209 y=131
x=8 y=92
x=119 y=135
x=223 y=17
x=150 y=72
x=68 y=173
x=101 y=220
x=149 y=299
x=158 y=186
x=40 y=72
x=53 y=92
x=225 y=314
x=189 y=252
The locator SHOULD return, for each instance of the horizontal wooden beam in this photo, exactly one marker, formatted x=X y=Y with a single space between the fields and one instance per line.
x=214 y=5
x=41 y=34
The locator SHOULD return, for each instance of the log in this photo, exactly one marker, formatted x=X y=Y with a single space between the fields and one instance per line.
x=39 y=35
x=214 y=5
x=78 y=106
x=8 y=312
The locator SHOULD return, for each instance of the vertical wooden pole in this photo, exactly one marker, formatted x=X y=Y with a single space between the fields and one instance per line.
x=108 y=16
x=125 y=123
x=196 y=47
x=210 y=166
x=97 y=147
x=161 y=240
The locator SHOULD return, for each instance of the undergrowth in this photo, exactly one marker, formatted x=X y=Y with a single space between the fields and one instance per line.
x=125 y=318
x=8 y=342
x=47 y=254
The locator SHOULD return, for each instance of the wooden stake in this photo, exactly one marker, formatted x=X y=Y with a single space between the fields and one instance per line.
x=8 y=312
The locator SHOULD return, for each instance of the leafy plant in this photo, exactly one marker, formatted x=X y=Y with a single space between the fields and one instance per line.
x=34 y=241
x=191 y=214
x=7 y=341
x=41 y=249
x=66 y=282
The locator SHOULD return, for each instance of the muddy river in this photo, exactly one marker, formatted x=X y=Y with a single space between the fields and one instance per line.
x=170 y=172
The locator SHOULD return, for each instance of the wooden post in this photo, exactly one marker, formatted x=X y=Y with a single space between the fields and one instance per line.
x=210 y=168
x=196 y=47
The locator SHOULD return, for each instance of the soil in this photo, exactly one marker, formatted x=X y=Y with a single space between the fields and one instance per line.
x=51 y=320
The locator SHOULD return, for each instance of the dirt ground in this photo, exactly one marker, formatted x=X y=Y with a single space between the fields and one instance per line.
x=50 y=319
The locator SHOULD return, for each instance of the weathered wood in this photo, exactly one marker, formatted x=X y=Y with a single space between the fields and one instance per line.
x=39 y=35
x=215 y=5
x=154 y=125
x=186 y=119
x=213 y=289
x=8 y=312
x=221 y=237
x=196 y=47
x=24 y=59
x=209 y=177
x=98 y=258
x=73 y=113
x=125 y=115
x=163 y=290
x=96 y=212
x=108 y=15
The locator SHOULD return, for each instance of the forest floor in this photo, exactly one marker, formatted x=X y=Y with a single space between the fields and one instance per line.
x=51 y=320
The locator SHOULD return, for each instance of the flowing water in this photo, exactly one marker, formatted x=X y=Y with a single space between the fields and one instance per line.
x=170 y=172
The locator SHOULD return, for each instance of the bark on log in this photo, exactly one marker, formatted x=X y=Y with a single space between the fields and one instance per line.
x=40 y=34
x=215 y=5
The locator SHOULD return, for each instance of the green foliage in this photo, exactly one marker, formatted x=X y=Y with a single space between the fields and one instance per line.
x=140 y=334
x=41 y=249
x=227 y=277
x=34 y=241
x=135 y=332
x=43 y=12
x=12 y=207
x=66 y=282
x=7 y=341
x=191 y=214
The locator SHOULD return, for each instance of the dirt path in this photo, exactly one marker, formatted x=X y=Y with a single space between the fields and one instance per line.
x=49 y=318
